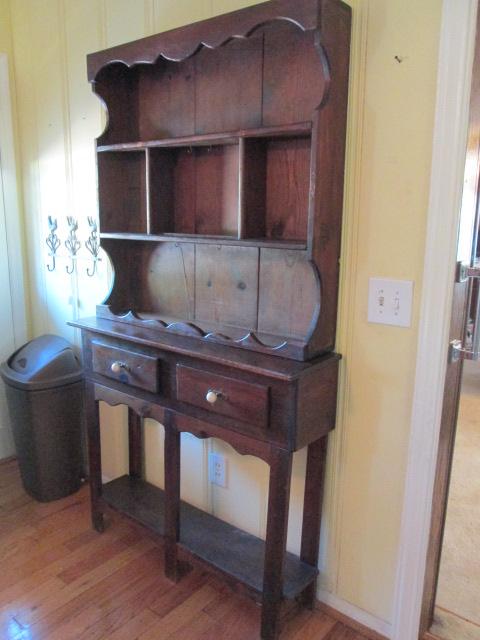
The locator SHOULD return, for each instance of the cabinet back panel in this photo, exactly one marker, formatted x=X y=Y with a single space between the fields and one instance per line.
x=170 y=282
x=128 y=260
x=162 y=190
x=117 y=85
x=293 y=77
x=216 y=196
x=287 y=189
x=167 y=96
x=122 y=192
x=288 y=293
x=254 y=185
x=184 y=190
x=226 y=285
x=195 y=190
x=230 y=74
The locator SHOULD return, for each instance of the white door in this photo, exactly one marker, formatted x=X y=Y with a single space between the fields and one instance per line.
x=7 y=336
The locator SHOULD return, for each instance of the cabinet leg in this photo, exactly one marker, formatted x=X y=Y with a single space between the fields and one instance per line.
x=135 y=444
x=312 y=510
x=94 y=457
x=275 y=543
x=172 y=498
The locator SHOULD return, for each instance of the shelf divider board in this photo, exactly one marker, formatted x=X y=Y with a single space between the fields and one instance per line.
x=228 y=549
x=148 y=191
x=241 y=188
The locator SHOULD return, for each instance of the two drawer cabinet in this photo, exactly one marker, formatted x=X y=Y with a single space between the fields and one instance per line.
x=264 y=406
x=289 y=404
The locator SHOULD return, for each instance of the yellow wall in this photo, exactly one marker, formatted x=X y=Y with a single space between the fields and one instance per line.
x=389 y=153
x=5 y=34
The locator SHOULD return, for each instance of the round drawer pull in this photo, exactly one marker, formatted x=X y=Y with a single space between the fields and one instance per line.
x=118 y=366
x=212 y=396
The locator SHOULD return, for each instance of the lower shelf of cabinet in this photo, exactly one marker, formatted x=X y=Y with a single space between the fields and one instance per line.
x=228 y=549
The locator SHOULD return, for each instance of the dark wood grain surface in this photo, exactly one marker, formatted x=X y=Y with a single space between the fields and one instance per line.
x=243 y=141
x=141 y=370
x=181 y=43
x=241 y=400
x=221 y=193
x=230 y=549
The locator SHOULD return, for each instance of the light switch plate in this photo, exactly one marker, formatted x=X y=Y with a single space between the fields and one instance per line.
x=390 y=302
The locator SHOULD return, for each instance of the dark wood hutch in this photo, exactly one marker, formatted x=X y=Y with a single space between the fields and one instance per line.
x=220 y=180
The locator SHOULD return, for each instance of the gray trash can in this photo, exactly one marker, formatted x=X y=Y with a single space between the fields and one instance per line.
x=44 y=385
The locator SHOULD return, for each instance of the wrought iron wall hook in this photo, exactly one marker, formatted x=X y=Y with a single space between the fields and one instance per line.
x=72 y=243
x=52 y=241
x=93 y=246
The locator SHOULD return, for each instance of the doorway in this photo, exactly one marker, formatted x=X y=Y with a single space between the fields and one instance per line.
x=13 y=328
x=457 y=603
x=452 y=586
x=7 y=337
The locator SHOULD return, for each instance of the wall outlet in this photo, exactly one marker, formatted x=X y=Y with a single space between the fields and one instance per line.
x=217 y=472
x=390 y=301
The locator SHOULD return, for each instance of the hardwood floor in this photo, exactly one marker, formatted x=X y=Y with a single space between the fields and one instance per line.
x=60 y=580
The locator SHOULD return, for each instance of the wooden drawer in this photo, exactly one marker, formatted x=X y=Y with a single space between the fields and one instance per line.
x=236 y=399
x=129 y=367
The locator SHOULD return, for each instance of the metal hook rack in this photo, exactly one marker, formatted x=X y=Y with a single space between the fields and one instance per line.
x=93 y=246
x=72 y=243
x=52 y=241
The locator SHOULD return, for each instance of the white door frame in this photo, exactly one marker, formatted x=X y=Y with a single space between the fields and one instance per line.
x=8 y=176
x=457 y=42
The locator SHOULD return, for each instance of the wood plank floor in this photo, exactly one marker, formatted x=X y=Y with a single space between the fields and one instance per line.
x=59 y=580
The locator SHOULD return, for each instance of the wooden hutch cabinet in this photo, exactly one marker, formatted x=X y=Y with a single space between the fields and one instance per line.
x=220 y=181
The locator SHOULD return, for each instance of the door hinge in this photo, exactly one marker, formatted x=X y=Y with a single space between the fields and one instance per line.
x=457 y=352
x=464 y=272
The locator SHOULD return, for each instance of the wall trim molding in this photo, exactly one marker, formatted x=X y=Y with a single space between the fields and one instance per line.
x=372 y=627
x=330 y=543
x=13 y=226
x=457 y=39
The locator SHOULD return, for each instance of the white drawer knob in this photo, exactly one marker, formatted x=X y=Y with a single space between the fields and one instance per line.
x=118 y=366
x=212 y=396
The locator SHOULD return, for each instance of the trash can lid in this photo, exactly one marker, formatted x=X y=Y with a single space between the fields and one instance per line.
x=45 y=362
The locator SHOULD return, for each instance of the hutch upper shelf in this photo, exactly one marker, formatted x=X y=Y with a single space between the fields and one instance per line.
x=220 y=177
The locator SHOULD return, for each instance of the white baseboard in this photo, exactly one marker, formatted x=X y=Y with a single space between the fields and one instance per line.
x=359 y=615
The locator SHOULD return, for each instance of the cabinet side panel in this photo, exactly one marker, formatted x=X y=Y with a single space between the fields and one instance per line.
x=317 y=404
x=229 y=75
x=226 y=285
x=328 y=168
